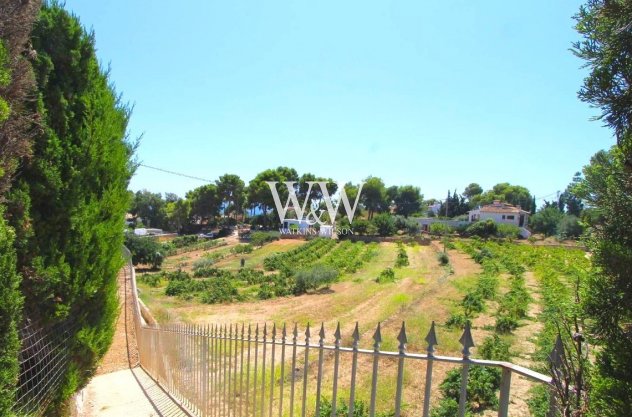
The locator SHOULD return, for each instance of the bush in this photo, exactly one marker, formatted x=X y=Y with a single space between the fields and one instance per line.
x=440 y=229
x=152 y=280
x=569 y=227
x=361 y=226
x=248 y=248
x=145 y=250
x=313 y=278
x=402 y=256
x=487 y=286
x=484 y=228
x=387 y=275
x=443 y=258
x=457 y=320
x=203 y=263
x=384 y=224
x=482 y=384
x=495 y=349
x=472 y=303
x=251 y=276
x=183 y=241
x=506 y=324
x=261 y=238
x=508 y=231
x=220 y=290
x=546 y=221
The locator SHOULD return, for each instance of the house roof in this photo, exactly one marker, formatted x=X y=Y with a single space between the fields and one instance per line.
x=498 y=207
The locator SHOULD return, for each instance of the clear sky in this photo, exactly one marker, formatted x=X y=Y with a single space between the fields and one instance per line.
x=435 y=94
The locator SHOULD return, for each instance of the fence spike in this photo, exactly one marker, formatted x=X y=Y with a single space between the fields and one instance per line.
x=257 y=332
x=265 y=330
x=377 y=336
x=402 y=338
x=273 y=331
x=295 y=331
x=230 y=331
x=356 y=335
x=307 y=332
x=284 y=332
x=321 y=333
x=431 y=338
x=242 y=330
x=249 y=330
x=466 y=341
x=337 y=334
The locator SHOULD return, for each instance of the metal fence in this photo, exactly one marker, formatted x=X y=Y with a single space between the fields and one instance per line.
x=245 y=370
x=44 y=357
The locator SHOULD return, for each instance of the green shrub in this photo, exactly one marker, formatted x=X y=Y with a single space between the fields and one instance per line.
x=569 y=227
x=183 y=241
x=313 y=278
x=440 y=229
x=457 y=320
x=265 y=291
x=251 y=276
x=472 y=303
x=145 y=250
x=507 y=231
x=220 y=290
x=248 y=248
x=482 y=384
x=384 y=224
x=402 y=256
x=152 y=280
x=487 y=286
x=204 y=263
x=506 y=324
x=387 y=275
x=484 y=228
x=495 y=349
x=448 y=407
x=261 y=238
x=443 y=258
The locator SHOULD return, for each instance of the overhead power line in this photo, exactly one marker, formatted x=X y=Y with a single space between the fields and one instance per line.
x=179 y=174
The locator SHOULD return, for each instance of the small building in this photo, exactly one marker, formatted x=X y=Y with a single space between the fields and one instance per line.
x=500 y=213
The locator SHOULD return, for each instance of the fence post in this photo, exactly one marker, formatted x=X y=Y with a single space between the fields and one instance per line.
x=505 y=388
x=354 y=369
x=377 y=337
x=334 y=396
x=467 y=342
x=400 y=368
x=431 y=338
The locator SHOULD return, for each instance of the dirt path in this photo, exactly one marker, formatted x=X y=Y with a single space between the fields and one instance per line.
x=121 y=388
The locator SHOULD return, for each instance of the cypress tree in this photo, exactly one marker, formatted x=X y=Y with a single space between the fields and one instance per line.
x=16 y=82
x=70 y=200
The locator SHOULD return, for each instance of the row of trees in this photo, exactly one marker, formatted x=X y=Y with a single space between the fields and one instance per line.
x=64 y=170
x=230 y=196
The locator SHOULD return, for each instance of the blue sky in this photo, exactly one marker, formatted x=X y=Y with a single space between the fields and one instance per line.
x=434 y=94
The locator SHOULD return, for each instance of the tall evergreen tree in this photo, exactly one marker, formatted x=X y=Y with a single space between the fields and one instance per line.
x=71 y=198
x=16 y=84
x=606 y=48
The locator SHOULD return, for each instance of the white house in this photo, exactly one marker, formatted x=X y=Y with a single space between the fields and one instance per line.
x=500 y=213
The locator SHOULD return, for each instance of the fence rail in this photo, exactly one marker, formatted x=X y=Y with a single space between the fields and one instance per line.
x=241 y=370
